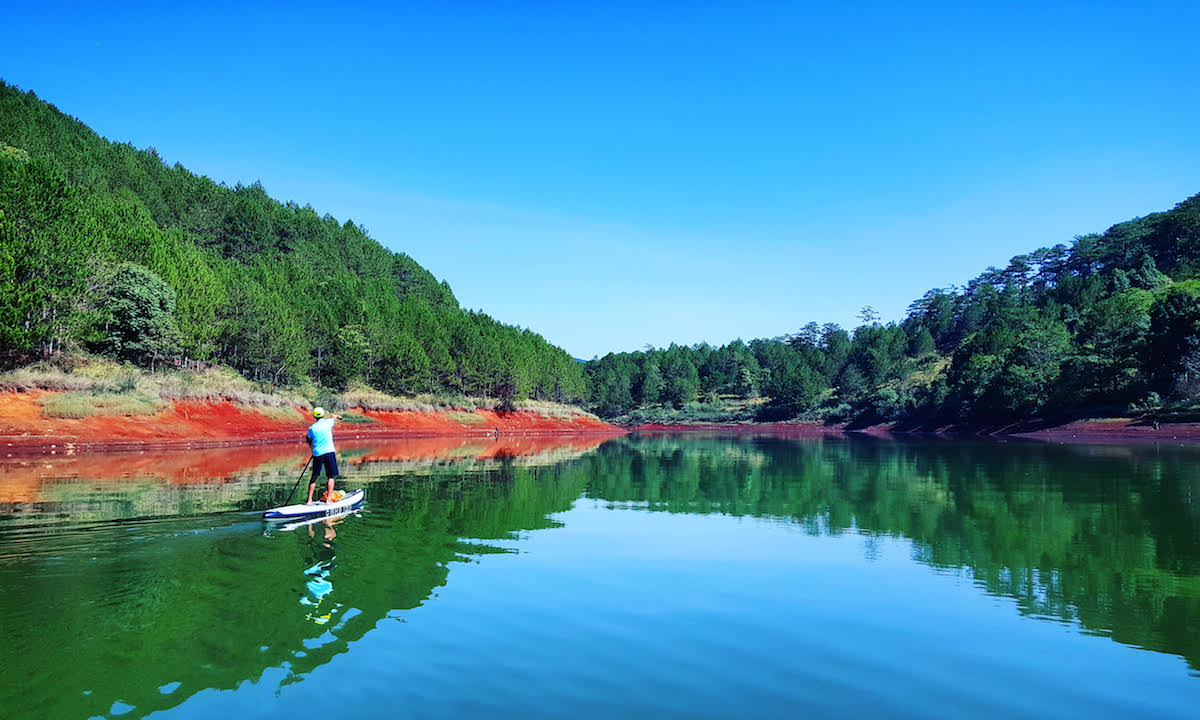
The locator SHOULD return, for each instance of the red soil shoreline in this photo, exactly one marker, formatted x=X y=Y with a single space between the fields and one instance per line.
x=24 y=429
x=204 y=423
x=1106 y=430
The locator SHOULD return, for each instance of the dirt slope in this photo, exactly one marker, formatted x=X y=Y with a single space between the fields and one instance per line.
x=24 y=427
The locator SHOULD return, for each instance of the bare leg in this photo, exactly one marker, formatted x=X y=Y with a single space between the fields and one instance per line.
x=312 y=481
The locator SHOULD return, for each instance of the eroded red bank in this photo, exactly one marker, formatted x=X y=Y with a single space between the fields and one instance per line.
x=24 y=427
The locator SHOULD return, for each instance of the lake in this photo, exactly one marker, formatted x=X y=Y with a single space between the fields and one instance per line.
x=688 y=576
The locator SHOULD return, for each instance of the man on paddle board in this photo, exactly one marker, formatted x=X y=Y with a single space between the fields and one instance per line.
x=320 y=439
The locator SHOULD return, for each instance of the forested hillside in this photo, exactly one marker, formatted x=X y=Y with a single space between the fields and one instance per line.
x=1107 y=325
x=105 y=248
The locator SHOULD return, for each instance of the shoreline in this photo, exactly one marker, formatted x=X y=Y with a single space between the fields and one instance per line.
x=206 y=424
x=1092 y=430
x=15 y=447
x=200 y=424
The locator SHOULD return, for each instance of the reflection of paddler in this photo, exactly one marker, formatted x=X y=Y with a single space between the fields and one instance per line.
x=320 y=439
x=318 y=584
x=330 y=533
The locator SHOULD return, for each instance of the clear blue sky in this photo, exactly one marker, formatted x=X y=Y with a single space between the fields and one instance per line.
x=621 y=174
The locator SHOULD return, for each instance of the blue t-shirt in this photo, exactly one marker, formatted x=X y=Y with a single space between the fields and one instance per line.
x=320 y=434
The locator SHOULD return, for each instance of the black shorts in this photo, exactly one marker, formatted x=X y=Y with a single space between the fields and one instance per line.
x=327 y=461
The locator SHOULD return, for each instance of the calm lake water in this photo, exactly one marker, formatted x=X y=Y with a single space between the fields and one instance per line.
x=652 y=576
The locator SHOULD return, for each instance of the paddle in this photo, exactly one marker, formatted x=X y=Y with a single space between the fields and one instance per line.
x=293 y=492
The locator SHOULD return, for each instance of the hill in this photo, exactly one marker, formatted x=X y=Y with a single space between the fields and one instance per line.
x=1108 y=325
x=106 y=249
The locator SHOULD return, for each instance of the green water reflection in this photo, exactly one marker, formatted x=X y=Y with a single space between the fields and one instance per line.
x=131 y=618
x=1106 y=536
x=142 y=615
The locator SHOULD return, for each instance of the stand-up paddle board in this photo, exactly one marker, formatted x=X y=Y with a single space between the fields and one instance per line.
x=350 y=500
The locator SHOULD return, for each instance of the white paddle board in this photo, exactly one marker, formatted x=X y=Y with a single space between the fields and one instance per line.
x=350 y=500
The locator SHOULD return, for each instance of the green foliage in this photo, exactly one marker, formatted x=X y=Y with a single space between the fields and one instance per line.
x=1095 y=327
x=356 y=418
x=652 y=384
x=347 y=357
x=1149 y=404
x=612 y=379
x=1174 y=339
x=706 y=412
x=138 y=309
x=681 y=378
x=274 y=290
x=921 y=343
x=403 y=368
x=794 y=387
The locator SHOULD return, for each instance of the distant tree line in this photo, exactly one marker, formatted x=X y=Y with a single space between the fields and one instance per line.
x=1110 y=323
x=105 y=248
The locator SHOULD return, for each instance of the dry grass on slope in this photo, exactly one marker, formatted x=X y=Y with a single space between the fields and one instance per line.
x=95 y=386
x=99 y=386
x=368 y=398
